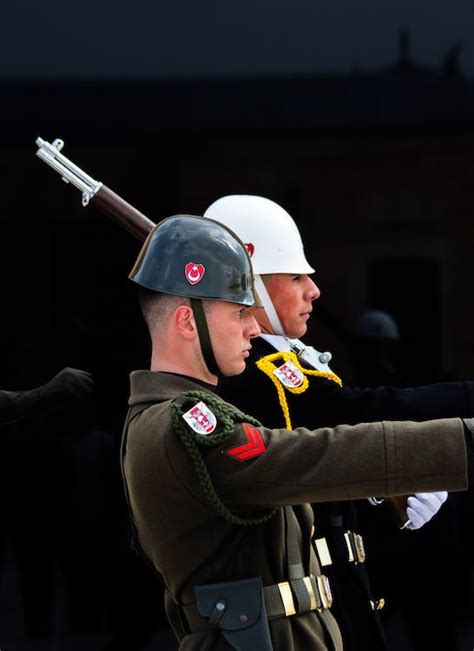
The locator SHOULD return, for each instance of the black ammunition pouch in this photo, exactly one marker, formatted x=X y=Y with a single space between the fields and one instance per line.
x=238 y=609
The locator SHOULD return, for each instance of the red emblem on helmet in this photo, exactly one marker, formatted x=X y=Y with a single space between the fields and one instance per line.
x=194 y=272
x=250 y=248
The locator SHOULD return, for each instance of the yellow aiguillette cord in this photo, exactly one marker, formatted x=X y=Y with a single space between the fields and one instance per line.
x=266 y=364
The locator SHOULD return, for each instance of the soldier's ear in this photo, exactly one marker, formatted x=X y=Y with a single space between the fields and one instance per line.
x=184 y=322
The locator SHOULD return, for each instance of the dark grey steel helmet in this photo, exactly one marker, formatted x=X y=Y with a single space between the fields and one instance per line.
x=198 y=258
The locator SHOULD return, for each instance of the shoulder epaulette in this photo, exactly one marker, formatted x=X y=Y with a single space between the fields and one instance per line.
x=203 y=420
x=290 y=376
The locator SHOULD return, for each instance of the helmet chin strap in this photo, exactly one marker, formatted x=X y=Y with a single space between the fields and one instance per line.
x=268 y=306
x=204 y=337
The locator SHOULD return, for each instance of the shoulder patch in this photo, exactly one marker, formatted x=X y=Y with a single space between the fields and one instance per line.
x=201 y=419
x=253 y=448
x=289 y=375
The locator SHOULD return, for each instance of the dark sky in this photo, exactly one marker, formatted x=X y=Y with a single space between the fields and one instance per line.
x=151 y=38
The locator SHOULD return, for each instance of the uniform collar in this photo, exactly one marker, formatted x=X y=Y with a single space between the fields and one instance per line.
x=152 y=386
x=277 y=342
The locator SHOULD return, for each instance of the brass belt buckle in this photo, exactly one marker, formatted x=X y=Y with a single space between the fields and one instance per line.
x=360 y=549
x=355 y=547
x=287 y=598
x=323 y=552
x=378 y=604
x=312 y=596
x=324 y=591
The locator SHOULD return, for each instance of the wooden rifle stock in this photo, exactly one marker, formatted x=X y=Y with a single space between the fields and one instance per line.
x=136 y=223
x=131 y=219
x=398 y=508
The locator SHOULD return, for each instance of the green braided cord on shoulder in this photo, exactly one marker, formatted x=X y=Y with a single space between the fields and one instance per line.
x=226 y=416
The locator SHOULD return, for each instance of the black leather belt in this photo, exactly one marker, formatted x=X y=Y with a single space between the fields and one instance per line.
x=280 y=601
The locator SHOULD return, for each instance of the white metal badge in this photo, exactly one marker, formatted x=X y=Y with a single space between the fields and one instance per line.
x=289 y=375
x=201 y=419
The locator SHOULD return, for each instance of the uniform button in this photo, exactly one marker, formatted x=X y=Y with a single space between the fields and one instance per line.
x=243 y=619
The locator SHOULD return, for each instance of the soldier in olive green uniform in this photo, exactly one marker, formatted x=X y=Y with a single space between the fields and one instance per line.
x=219 y=503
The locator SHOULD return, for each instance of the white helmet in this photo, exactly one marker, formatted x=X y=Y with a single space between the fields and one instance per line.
x=269 y=232
x=271 y=237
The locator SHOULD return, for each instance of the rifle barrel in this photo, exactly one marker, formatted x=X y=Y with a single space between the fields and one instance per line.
x=94 y=191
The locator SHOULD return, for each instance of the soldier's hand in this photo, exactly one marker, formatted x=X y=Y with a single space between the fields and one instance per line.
x=70 y=383
x=421 y=507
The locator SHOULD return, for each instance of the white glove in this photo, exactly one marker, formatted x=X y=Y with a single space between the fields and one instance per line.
x=421 y=507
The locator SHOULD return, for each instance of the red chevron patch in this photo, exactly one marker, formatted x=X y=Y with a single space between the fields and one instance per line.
x=254 y=448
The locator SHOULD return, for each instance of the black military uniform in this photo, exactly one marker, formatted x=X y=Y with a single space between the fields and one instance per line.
x=325 y=403
x=68 y=387
x=36 y=484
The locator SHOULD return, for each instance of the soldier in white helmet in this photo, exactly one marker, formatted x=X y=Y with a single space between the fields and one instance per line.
x=289 y=383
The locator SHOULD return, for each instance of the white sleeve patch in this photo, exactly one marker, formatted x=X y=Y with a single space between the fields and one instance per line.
x=201 y=419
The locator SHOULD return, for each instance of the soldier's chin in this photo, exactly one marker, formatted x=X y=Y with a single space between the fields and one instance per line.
x=237 y=369
x=299 y=332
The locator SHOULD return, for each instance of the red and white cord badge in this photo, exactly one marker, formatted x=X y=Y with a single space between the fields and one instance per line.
x=201 y=419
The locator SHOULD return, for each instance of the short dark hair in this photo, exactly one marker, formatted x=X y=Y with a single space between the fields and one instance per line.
x=157 y=307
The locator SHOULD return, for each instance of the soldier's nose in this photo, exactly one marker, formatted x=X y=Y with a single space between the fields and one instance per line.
x=254 y=328
x=313 y=291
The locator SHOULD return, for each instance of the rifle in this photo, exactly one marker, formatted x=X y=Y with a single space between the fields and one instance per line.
x=94 y=192
x=136 y=223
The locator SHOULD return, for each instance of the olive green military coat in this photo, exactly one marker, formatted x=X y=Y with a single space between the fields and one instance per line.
x=190 y=544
